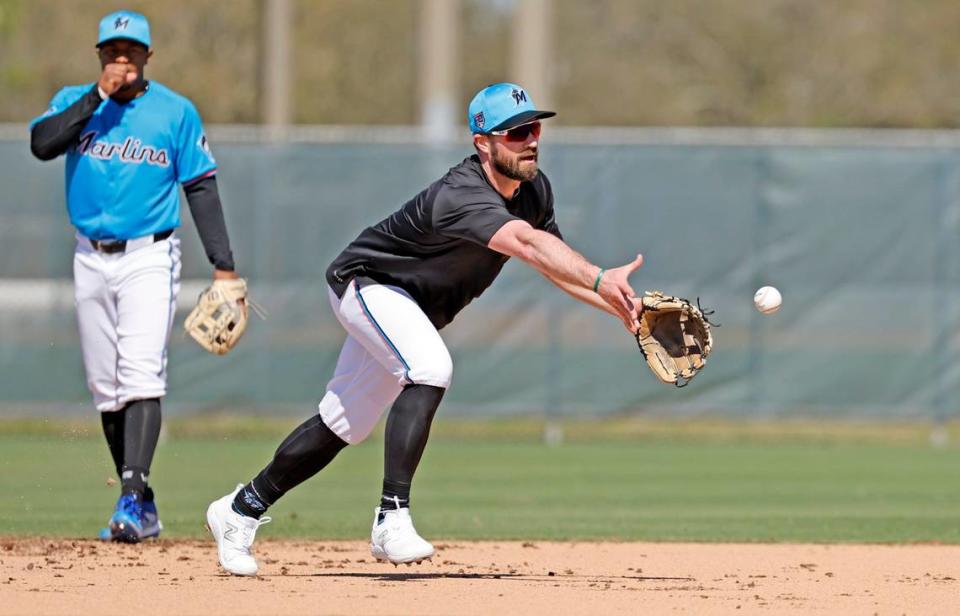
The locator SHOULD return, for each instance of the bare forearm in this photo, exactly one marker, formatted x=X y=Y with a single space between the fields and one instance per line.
x=583 y=294
x=554 y=259
x=569 y=270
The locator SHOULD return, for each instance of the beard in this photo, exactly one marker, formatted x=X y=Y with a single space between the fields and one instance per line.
x=515 y=168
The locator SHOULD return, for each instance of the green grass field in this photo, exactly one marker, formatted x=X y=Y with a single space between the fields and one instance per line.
x=671 y=485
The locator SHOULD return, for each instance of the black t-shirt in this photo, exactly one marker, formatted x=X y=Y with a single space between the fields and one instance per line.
x=435 y=246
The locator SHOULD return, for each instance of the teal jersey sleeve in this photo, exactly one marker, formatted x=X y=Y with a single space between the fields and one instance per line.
x=194 y=160
x=61 y=100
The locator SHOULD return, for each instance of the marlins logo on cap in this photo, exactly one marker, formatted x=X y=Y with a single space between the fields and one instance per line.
x=125 y=25
x=502 y=106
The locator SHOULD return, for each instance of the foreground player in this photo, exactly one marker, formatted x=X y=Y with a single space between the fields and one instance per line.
x=129 y=144
x=392 y=289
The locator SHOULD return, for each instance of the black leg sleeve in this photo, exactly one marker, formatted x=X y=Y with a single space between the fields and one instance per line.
x=140 y=434
x=303 y=454
x=408 y=427
x=112 y=423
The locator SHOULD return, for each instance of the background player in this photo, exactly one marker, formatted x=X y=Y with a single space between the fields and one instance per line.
x=129 y=144
x=392 y=289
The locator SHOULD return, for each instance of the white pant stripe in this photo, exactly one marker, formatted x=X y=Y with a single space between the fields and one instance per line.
x=373 y=322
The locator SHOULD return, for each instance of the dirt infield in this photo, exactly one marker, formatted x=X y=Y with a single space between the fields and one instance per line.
x=42 y=576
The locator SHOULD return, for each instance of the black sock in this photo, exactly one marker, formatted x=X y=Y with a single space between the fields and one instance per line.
x=134 y=480
x=250 y=502
x=303 y=454
x=408 y=428
x=112 y=422
x=140 y=434
x=395 y=495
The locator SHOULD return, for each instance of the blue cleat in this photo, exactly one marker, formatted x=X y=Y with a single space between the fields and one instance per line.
x=150 y=521
x=150 y=524
x=126 y=524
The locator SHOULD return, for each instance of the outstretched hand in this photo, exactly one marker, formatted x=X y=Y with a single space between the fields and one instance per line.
x=615 y=289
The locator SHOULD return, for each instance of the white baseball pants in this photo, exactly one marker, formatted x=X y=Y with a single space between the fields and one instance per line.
x=390 y=344
x=125 y=310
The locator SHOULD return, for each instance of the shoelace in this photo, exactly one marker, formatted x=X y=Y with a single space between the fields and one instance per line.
x=247 y=533
x=393 y=521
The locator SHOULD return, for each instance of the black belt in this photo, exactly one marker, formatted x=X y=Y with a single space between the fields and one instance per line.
x=114 y=246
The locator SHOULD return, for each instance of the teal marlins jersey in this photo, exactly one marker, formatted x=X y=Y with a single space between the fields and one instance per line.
x=124 y=173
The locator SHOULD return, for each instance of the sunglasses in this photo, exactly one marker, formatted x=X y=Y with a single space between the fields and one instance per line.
x=519 y=133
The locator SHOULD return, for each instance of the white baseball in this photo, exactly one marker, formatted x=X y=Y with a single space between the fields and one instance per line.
x=767 y=300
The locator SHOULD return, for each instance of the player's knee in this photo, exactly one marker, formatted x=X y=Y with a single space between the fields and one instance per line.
x=352 y=432
x=437 y=372
x=142 y=380
x=350 y=427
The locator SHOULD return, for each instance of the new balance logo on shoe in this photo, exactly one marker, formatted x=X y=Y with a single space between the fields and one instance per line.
x=234 y=534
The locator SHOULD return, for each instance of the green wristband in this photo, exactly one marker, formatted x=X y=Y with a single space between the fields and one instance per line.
x=596 y=283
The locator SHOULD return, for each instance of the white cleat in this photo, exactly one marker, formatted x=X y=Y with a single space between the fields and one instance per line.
x=396 y=540
x=234 y=534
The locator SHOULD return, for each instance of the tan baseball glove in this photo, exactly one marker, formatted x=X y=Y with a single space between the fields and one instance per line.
x=674 y=337
x=220 y=316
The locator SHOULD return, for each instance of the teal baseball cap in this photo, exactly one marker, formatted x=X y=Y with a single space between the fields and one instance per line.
x=502 y=106
x=125 y=25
